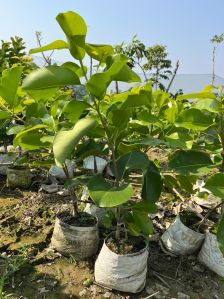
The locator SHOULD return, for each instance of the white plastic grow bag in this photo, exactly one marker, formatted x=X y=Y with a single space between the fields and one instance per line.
x=80 y=242
x=5 y=161
x=58 y=172
x=181 y=240
x=88 y=163
x=126 y=273
x=211 y=256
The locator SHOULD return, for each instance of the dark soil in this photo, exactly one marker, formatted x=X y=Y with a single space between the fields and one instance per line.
x=83 y=219
x=192 y=221
x=126 y=246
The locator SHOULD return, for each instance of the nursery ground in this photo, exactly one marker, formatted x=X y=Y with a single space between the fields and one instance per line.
x=26 y=225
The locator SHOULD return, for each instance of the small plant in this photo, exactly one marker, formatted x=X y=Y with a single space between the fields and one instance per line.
x=11 y=264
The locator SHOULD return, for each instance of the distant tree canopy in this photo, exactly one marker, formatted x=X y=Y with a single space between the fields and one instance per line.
x=153 y=59
x=14 y=53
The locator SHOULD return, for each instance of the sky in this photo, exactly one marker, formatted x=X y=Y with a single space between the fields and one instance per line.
x=184 y=26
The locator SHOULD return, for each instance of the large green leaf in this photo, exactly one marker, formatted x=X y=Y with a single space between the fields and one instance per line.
x=75 y=68
x=56 y=45
x=152 y=186
x=211 y=105
x=4 y=115
x=75 y=30
x=131 y=161
x=30 y=138
x=118 y=71
x=201 y=95
x=135 y=100
x=215 y=184
x=99 y=52
x=73 y=110
x=171 y=112
x=180 y=140
x=190 y=162
x=134 y=145
x=65 y=141
x=50 y=77
x=36 y=110
x=106 y=195
x=119 y=120
x=194 y=119
x=9 y=84
x=138 y=222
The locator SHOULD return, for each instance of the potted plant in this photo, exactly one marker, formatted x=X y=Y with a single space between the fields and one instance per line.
x=113 y=115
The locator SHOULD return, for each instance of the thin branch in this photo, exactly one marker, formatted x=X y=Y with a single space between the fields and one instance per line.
x=173 y=77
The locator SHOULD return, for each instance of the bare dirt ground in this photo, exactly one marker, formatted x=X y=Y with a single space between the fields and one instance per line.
x=26 y=225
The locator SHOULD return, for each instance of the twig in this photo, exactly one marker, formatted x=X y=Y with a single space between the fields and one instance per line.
x=102 y=286
x=209 y=212
x=152 y=295
x=161 y=279
x=177 y=269
x=173 y=77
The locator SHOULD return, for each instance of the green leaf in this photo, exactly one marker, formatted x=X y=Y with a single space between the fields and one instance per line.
x=187 y=182
x=220 y=234
x=65 y=141
x=36 y=110
x=190 y=162
x=201 y=95
x=135 y=100
x=50 y=77
x=15 y=129
x=107 y=196
x=211 y=105
x=147 y=119
x=194 y=119
x=5 y=115
x=152 y=186
x=171 y=112
x=119 y=120
x=134 y=145
x=9 y=85
x=143 y=221
x=99 y=52
x=132 y=161
x=56 y=45
x=75 y=68
x=170 y=181
x=73 y=110
x=180 y=140
x=215 y=184
x=30 y=138
x=89 y=148
x=118 y=71
x=75 y=30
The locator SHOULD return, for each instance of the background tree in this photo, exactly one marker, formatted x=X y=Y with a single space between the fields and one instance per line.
x=13 y=53
x=216 y=40
x=158 y=64
x=136 y=53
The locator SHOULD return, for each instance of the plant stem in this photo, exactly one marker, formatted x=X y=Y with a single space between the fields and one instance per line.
x=72 y=193
x=117 y=179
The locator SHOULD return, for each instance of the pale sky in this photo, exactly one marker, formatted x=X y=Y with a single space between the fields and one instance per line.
x=185 y=26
